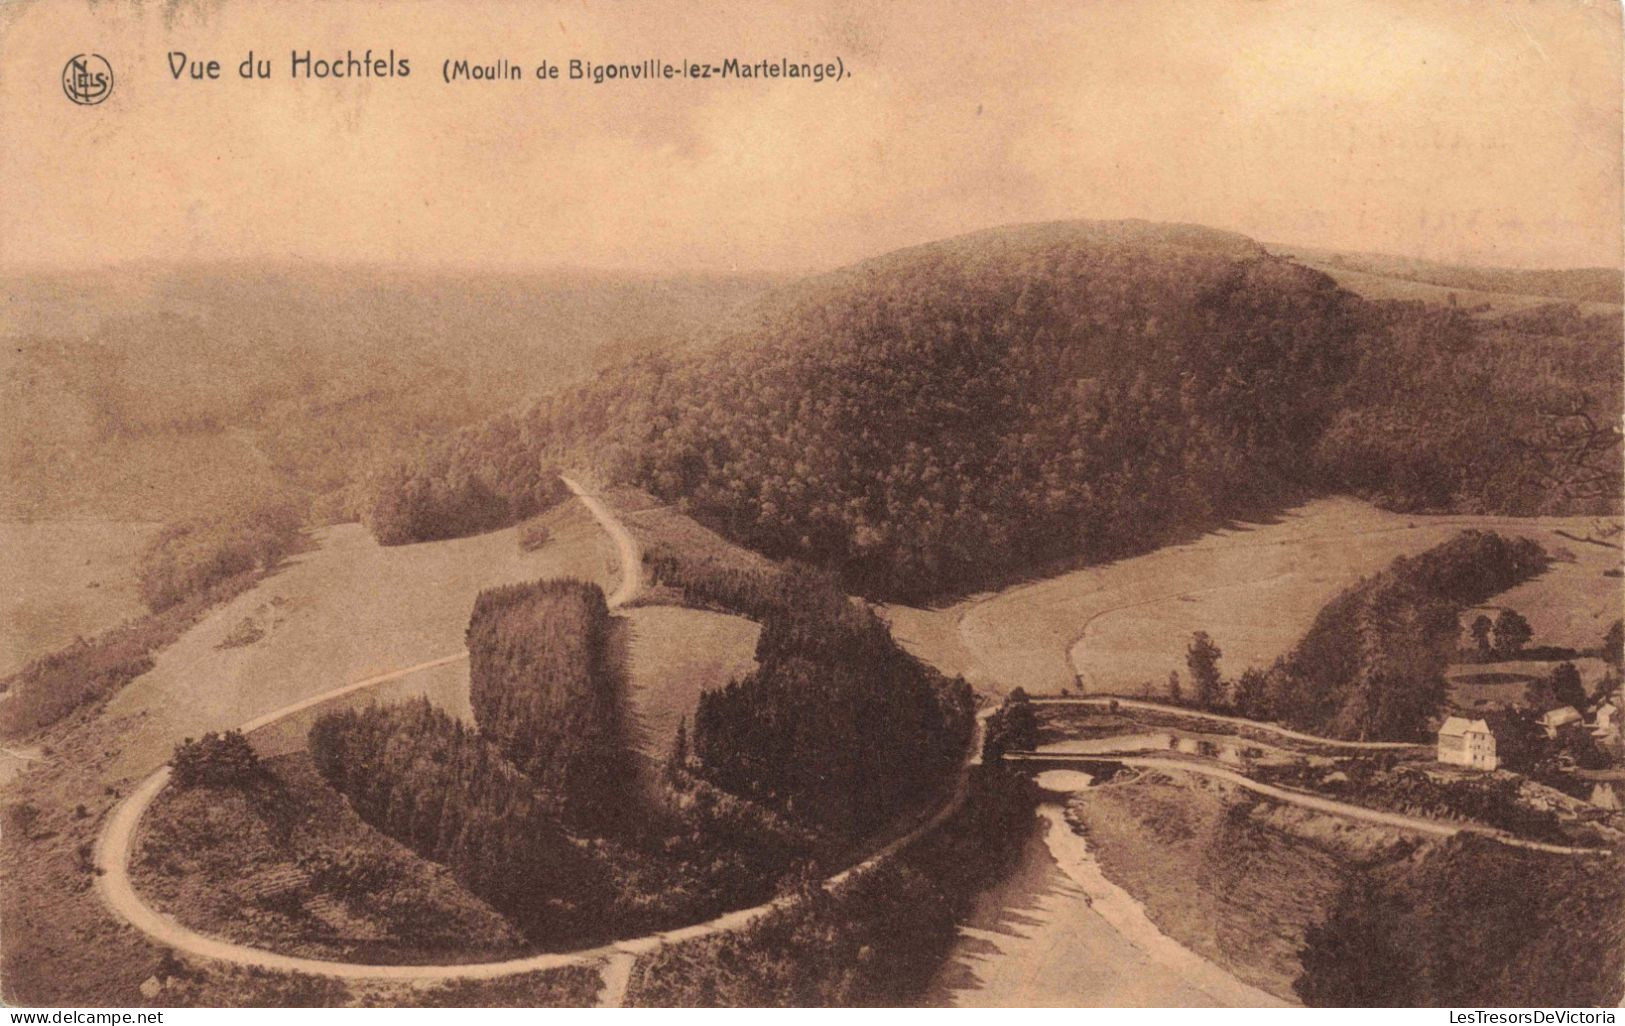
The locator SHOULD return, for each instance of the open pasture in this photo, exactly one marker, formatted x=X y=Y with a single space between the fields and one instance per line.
x=1255 y=588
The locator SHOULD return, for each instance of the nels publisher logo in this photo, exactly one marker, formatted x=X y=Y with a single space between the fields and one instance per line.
x=87 y=79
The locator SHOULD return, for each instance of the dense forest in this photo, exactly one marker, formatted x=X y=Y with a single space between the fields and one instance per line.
x=449 y=794
x=1372 y=664
x=875 y=941
x=1472 y=923
x=948 y=416
x=837 y=727
x=544 y=692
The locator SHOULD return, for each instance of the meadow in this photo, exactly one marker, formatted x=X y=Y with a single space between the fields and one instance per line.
x=344 y=611
x=1255 y=587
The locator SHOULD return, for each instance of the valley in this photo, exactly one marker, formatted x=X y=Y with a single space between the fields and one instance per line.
x=995 y=622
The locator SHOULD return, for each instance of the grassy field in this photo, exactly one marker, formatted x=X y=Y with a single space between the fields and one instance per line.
x=1254 y=587
x=1571 y=605
x=64 y=579
x=1480 y=686
x=289 y=866
x=347 y=610
x=674 y=654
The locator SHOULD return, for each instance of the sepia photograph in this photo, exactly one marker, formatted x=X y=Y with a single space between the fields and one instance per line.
x=688 y=504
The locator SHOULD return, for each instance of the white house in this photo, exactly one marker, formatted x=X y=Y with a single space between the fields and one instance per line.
x=1464 y=742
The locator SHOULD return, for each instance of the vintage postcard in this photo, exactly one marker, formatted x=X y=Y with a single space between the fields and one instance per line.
x=663 y=503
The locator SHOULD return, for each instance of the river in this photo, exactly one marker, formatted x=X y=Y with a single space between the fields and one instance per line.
x=1056 y=933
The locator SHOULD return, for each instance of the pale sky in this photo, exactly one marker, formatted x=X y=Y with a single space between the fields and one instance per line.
x=1466 y=130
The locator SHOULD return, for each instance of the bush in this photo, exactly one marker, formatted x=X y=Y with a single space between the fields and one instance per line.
x=533 y=534
x=1013 y=728
x=215 y=760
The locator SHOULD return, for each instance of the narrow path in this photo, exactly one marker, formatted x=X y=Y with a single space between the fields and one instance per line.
x=626 y=547
x=614 y=961
x=1180 y=710
x=1398 y=821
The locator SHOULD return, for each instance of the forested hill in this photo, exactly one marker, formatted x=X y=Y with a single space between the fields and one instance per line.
x=943 y=416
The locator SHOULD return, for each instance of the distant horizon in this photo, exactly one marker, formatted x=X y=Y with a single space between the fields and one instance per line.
x=634 y=270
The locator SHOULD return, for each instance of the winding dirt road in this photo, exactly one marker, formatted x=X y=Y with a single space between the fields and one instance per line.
x=614 y=961
x=1395 y=820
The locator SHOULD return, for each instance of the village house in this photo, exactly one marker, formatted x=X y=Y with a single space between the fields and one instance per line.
x=1605 y=721
x=1464 y=742
x=1553 y=720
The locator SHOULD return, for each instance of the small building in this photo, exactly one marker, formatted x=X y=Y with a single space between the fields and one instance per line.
x=1553 y=720
x=1464 y=742
x=1605 y=721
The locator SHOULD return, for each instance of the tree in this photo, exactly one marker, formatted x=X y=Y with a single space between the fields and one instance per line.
x=1567 y=688
x=1176 y=694
x=1202 y=659
x=1252 y=694
x=1613 y=643
x=1482 y=626
x=1014 y=728
x=677 y=762
x=1356 y=957
x=1512 y=632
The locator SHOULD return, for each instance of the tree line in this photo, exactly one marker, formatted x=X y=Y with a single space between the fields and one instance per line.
x=478 y=479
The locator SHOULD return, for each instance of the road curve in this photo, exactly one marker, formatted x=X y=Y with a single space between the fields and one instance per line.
x=117 y=842
x=1398 y=821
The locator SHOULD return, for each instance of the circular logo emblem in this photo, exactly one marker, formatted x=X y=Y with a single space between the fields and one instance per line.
x=87 y=79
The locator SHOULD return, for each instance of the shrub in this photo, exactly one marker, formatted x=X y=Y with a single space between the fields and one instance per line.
x=533 y=534
x=215 y=760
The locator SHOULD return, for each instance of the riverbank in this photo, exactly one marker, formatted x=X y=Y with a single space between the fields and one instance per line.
x=1056 y=932
x=1310 y=906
